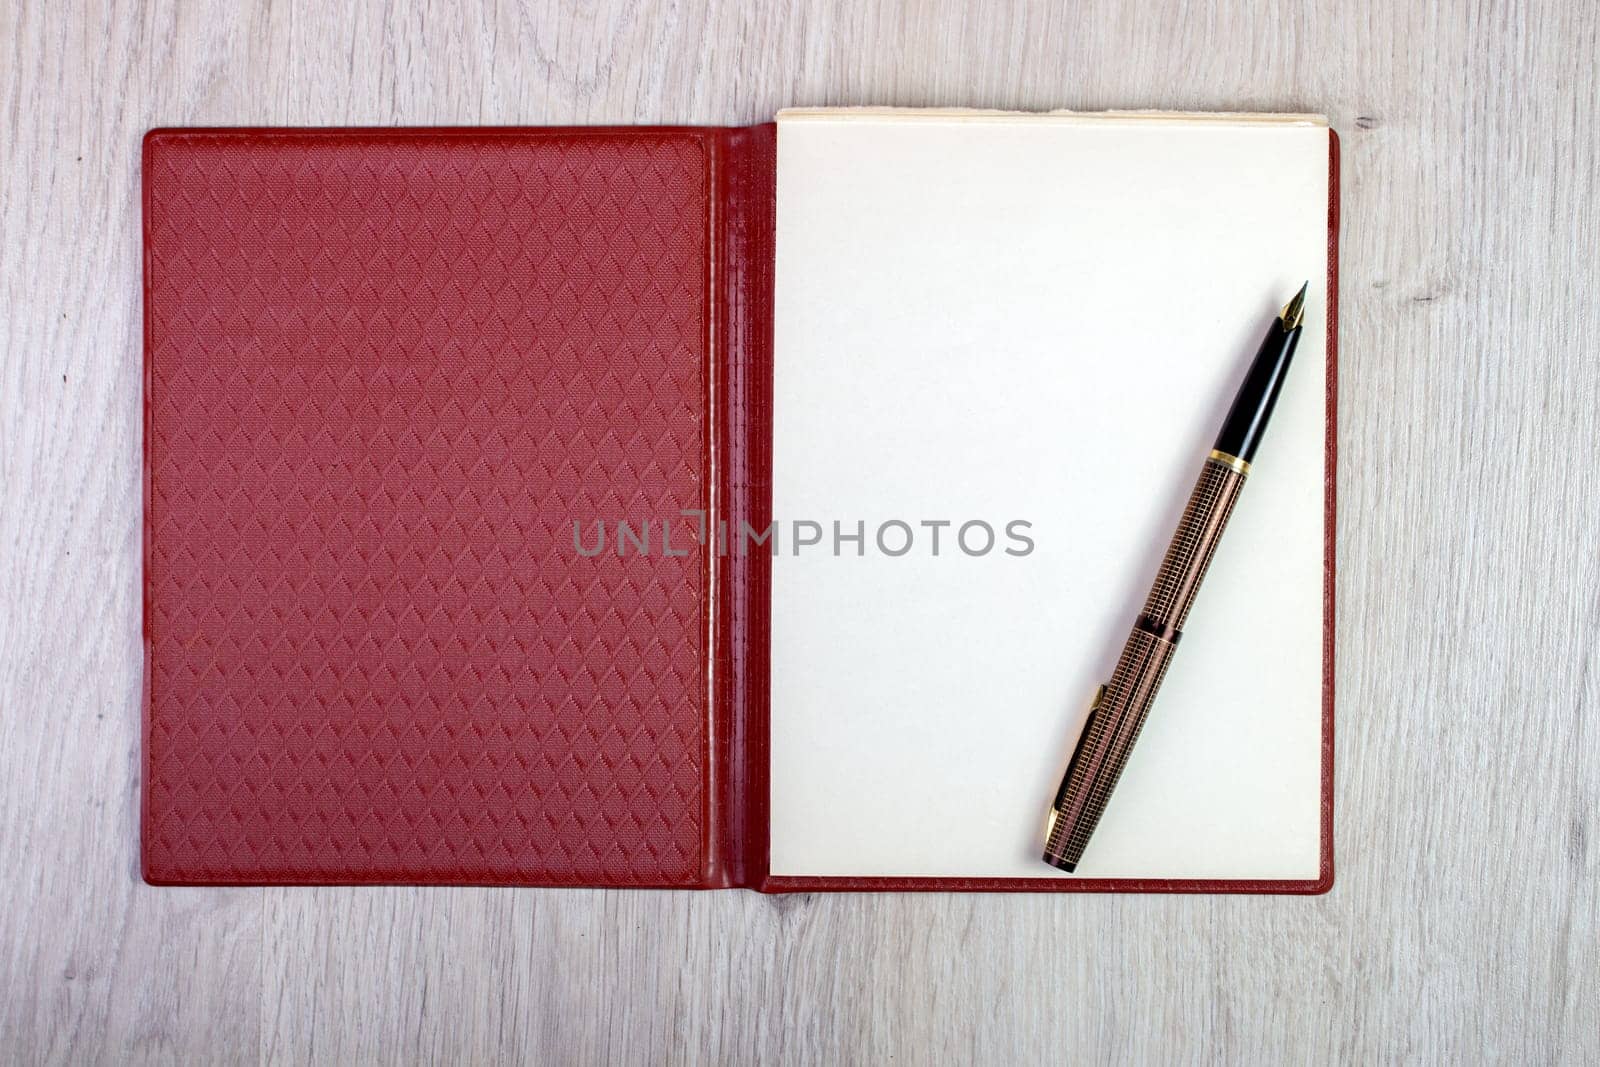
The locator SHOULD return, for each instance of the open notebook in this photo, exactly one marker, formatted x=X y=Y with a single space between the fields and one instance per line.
x=559 y=506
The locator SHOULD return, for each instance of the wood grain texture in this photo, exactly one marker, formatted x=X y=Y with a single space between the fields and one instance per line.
x=1464 y=920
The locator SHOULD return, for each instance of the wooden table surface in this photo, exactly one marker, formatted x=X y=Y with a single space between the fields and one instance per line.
x=1463 y=923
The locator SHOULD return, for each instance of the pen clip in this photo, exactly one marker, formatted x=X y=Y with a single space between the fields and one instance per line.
x=1077 y=749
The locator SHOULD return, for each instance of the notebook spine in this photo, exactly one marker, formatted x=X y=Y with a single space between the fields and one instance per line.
x=744 y=185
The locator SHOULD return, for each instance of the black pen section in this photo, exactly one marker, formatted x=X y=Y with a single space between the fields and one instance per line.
x=1252 y=405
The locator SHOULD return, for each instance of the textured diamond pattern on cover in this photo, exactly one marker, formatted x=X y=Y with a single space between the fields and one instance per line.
x=385 y=371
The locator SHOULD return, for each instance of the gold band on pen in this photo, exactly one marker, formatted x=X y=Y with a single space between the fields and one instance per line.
x=1230 y=461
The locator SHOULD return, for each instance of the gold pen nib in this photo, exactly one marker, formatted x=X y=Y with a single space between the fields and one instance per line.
x=1294 y=312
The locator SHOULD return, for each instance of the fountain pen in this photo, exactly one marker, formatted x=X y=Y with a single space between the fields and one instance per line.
x=1120 y=706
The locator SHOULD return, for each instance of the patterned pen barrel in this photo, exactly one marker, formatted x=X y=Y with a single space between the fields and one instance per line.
x=1121 y=705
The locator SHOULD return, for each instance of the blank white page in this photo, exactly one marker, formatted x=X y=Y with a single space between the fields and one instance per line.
x=1040 y=318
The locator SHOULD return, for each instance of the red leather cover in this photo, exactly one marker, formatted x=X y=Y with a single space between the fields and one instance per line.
x=385 y=371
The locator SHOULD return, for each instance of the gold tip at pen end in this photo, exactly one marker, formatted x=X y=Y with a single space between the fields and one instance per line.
x=1294 y=312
